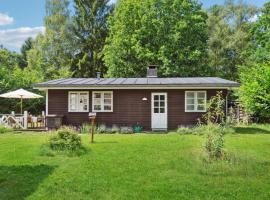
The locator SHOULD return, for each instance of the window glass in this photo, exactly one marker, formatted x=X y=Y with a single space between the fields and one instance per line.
x=190 y=95
x=201 y=101
x=162 y=104
x=190 y=107
x=195 y=101
x=102 y=101
x=107 y=101
x=201 y=107
x=201 y=95
x=156 y=110
x=106 y=107
x=190 y=101
x=78 y=101
x=162 y=97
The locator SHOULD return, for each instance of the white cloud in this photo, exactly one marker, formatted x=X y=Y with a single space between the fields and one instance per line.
x=5 y=19
x=14 y=38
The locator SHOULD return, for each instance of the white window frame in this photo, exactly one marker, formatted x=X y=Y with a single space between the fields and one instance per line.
x=196 y=101
x=102 y=101
x=78 y=93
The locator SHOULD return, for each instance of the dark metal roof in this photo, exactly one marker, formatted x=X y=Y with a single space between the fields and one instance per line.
x=138 y=82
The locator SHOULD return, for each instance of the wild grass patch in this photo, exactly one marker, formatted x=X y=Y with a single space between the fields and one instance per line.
x=4 y=129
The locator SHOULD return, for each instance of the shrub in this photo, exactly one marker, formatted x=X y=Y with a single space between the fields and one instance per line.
x=4 y=129
x=184 y=130
x=215 y=110
x=101 y=128
x=85 y=128
x=115 y=129
x=66 y=139
x=126 y=130
x=214 y=145
x=109 y=131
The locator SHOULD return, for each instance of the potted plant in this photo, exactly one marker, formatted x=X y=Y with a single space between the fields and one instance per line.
x=138 y=128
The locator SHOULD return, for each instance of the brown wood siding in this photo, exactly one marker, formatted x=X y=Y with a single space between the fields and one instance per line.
x=128 y=108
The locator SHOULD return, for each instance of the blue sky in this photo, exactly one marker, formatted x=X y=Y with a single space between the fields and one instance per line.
x=20 y=19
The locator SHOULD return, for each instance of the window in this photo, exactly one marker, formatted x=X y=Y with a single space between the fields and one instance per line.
x=102 y=101
x=78 y=101
x=195 y=101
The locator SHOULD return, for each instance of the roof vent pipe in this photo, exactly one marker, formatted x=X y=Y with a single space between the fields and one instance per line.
x=98 y=75
x=152 y=71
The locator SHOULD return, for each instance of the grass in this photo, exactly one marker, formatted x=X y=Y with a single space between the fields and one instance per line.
x=153 y=166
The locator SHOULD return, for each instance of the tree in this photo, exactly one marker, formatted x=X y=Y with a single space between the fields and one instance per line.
x=28 y=44
x=91 y=30
x=260 y=41
x=53 y=51
x=171 y=34
x=228 y=28
x=255 y=73
x=12 y=77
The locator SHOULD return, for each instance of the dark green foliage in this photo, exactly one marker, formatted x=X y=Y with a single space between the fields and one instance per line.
x=90 y=31
x=170 y=34
x=27 y=45
x=229 y=35
x=66 y=139
x=254 y=74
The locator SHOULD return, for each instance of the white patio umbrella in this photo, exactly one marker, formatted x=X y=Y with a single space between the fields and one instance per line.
x=21 y=94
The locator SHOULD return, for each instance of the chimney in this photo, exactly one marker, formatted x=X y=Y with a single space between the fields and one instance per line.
x=98 y=75
x=152 y=71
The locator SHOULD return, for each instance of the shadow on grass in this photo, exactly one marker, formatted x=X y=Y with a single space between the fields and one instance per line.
x=19 y=182
x=104 y=142
x=250 y=130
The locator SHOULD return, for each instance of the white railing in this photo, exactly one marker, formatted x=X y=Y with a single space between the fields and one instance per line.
x=25 y=121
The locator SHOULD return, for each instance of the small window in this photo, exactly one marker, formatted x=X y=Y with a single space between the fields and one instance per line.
x=102 y=101
x=195 y=101
x=78 y=101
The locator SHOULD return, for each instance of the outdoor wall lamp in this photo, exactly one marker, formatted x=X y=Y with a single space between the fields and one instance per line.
x=144 y=99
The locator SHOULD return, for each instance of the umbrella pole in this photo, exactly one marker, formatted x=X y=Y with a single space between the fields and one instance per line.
x=21 y=106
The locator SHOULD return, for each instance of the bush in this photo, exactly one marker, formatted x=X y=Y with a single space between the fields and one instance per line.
x=101 y=128
x=126 y=130
x=184 y=130
x=109 y=131
x=85 y=128
x=214 y=144
x=115 y=129
x=66 y=139
x=4 y=129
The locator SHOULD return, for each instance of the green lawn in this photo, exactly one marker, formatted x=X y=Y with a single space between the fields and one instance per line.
x=153 y=166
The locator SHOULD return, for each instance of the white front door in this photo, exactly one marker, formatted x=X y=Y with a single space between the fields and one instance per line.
x=159 y=111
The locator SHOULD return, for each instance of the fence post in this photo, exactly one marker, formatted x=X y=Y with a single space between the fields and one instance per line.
x=25 y=121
